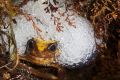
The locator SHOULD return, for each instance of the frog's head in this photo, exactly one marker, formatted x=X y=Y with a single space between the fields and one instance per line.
x=41 y=52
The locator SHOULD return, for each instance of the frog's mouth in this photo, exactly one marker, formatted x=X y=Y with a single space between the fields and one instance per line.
x=39 y=61
x=42 y=68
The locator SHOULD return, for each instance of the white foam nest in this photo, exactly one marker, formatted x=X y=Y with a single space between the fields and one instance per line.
x=77 y=45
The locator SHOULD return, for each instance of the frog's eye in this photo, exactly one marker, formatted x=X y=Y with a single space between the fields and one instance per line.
x=31 y=44
x=52 y=47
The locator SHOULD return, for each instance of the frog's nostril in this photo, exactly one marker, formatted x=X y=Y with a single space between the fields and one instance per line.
x=52 y=47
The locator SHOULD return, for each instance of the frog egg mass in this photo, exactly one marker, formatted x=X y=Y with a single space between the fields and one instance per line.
x=76 y=39
x=77 y=45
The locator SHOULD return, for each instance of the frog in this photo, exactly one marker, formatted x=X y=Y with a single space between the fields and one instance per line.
x=41 y=53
